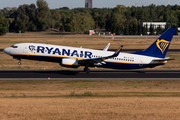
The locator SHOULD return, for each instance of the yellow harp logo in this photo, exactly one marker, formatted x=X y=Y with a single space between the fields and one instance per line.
x=162 y=45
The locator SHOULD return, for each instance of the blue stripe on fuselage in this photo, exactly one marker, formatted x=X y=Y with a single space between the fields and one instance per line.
x=128 y=65
x=109 y=64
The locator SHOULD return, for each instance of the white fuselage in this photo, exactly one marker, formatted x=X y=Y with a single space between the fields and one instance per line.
x=55 y=53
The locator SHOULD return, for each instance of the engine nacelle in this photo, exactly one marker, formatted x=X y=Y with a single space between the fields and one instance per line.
x=67 y=62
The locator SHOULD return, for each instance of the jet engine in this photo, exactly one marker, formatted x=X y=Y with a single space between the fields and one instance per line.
x=68 y=62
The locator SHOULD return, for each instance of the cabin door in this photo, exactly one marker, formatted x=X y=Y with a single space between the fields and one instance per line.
x=141 y=62
x=25 y=50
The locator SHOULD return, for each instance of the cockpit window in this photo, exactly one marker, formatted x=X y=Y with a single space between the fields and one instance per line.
x=13 y=46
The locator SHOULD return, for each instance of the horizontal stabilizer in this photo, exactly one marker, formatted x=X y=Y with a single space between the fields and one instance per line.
x=165 y=59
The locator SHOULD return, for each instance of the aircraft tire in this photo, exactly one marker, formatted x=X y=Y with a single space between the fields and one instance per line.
x=87 y=70
x=19 y=63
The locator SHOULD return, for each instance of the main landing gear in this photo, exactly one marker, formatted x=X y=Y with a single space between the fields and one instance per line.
x=86 y=69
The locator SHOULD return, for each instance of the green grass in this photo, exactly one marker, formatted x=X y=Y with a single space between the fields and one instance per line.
x=107 y=94
x=85 y=85
x=85 y=94
x=77 y=88
x=10 y=89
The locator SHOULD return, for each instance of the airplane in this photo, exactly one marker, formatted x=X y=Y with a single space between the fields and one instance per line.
x=74 y=57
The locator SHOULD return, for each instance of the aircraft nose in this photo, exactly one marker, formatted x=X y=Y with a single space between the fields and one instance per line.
x=6 y=50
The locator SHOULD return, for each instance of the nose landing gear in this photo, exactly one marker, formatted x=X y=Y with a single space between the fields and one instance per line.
x=19 y=63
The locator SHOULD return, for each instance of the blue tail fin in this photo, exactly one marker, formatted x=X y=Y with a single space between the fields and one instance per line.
x=160 y=47
x=118 y=51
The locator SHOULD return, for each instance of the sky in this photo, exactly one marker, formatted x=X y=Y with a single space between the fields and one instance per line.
x=81 y=3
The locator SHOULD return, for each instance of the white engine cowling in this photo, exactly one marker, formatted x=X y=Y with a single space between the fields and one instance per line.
x=67 y=62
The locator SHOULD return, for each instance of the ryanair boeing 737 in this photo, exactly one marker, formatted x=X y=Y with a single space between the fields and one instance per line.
x=73 y=57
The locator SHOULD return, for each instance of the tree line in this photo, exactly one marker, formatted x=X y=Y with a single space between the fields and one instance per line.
x=119 y=20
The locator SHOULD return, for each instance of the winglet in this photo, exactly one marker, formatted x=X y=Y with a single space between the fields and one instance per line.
x=106 y=48
x=118 y=51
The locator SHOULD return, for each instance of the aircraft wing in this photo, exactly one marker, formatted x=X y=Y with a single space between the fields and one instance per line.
x=100 y=60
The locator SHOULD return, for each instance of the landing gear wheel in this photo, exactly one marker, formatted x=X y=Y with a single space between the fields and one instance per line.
x=87 y=70
x=19 y=63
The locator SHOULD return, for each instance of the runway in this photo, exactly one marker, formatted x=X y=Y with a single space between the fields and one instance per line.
x=93 y=75
x=136 y=36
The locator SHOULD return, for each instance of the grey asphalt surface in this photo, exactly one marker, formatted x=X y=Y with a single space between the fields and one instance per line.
x=59 y=35
x=137 y=36
x=93 y=75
